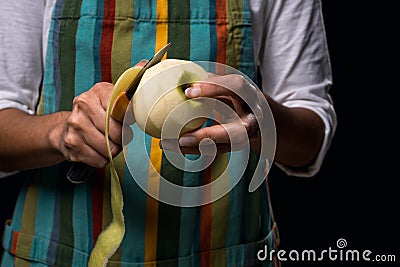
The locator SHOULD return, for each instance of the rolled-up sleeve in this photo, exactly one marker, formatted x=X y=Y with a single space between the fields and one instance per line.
x=293 y=60
x=21 y=67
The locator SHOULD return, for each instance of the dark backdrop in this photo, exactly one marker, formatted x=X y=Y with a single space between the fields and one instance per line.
x=354 y=196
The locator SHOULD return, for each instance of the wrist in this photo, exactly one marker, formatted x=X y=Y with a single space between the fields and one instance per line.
x=55 y=134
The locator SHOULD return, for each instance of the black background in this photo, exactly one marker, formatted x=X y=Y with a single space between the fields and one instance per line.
x=355 y=195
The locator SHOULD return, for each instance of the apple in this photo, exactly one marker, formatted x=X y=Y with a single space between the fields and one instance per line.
x=161 y=90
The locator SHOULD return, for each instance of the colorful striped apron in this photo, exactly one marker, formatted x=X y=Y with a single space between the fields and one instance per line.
x=57 y=223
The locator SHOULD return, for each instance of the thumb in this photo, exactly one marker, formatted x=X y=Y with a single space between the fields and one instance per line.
x=141 y=63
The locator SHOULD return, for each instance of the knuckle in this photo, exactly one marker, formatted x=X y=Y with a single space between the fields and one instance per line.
x=101 y=86
x=239 y=80
x=206 y=134
x=116 y=134
x=81 y=102
x=70 y=157
x=98 y=85
x=115 y=150
x=251 y=123
x=101 y=163
x=80 y=99
x=71 y=152
x=71 y=141
x=73 y=121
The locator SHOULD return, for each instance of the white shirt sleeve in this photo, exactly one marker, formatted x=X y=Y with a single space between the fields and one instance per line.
x=292 y=56
x=21 y=68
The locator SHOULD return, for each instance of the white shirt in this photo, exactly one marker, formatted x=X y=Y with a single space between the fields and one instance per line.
x=289 y=47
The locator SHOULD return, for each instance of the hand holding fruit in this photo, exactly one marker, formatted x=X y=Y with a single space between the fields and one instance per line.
x=227 y=89
x=175 y=82
x=161 y=90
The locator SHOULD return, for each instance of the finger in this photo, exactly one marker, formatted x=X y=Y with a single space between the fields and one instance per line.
x=129 y=118
x=103 y=91
x=217 y=133
x=206 y=149
x=81 y=131
x=79 y=151
x=212 y=87
x=250 y=123
x=233 y=132
x=127 y=135
x=93 y=105
x=141 y=63
x=115 y=131
x=115 y=127
x=87 y=155
x=226 y=85
x=246 y=96
x=98 y=112
x=88 y=120
x=97 y=141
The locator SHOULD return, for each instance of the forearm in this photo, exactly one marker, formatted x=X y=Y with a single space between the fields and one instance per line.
x=30 y=141
x=300 y=133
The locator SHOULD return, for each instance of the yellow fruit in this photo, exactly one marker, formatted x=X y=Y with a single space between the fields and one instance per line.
x=161 y=89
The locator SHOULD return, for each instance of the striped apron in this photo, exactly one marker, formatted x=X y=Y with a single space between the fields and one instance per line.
x=57 y=223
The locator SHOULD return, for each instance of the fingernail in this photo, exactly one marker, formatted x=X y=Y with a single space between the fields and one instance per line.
x=193 y=91
x=187 y=141
x=169 y=144
x=141 y=63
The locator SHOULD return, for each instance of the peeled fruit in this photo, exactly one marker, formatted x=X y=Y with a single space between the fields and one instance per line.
x=161 y=90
